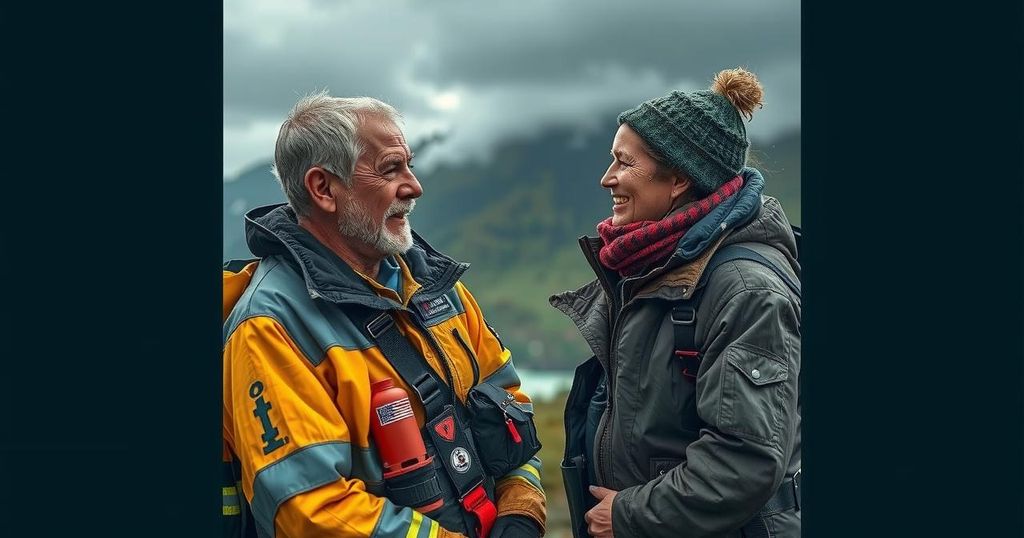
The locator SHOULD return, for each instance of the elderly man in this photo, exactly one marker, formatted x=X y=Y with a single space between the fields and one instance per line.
x=345 y=300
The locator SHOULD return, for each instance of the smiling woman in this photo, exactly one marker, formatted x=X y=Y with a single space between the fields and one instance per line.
x=642 y=188
x=691 y=399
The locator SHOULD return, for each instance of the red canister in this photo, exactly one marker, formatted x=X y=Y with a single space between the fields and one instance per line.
x=396 y=434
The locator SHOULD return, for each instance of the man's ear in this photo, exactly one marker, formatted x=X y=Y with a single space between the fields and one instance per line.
x=318 y=185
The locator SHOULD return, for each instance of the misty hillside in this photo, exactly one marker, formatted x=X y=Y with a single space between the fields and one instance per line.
x=516 y=220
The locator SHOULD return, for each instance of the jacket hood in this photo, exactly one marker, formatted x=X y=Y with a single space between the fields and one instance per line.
x=769 y=227
x=274 y=230
x=732 y=213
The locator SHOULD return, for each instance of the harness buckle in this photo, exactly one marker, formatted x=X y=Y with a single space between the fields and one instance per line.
x=428 y=390
x=683 y=315
x=378 y=325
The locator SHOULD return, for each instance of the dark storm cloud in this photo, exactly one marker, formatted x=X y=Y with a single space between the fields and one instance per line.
x=486 y=73
x=560 y=41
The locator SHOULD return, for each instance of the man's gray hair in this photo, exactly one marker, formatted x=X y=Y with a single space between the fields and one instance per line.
x=321 y=131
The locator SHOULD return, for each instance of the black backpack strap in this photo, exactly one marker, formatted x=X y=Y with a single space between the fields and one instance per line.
x=735 y=252
x=684 y=311
x=684 y=325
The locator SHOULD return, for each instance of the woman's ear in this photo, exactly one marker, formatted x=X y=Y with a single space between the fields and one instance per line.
x=682 y=189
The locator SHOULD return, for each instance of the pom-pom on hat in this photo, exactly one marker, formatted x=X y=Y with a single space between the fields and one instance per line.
x=701 y=133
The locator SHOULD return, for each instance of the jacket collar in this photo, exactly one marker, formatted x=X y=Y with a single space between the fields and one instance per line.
x=274 y=230
x=680 y=281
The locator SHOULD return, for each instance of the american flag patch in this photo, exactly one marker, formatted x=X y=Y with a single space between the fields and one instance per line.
x=394 y=411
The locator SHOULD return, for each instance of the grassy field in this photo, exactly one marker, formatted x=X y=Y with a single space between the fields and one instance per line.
x=548 y=417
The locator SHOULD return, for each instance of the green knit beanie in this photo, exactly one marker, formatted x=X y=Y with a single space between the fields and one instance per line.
x=701 y=133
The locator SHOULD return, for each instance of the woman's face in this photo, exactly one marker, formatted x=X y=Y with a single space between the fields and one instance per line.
x=637 y=194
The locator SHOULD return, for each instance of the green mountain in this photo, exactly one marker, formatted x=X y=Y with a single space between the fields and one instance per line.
x=516 y=219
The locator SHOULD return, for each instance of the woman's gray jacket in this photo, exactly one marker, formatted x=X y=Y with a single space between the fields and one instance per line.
x=692 y=457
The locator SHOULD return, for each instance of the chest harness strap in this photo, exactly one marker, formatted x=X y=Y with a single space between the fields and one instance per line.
x=452 y=439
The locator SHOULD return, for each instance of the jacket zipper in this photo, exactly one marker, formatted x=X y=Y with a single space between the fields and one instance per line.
x=441 y=358
x=472 y=356
x=603 y=469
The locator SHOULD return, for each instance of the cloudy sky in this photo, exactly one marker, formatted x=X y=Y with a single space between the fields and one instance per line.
x=485 y=71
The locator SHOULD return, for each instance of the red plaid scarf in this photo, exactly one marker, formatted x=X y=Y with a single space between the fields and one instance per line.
x=630 y=247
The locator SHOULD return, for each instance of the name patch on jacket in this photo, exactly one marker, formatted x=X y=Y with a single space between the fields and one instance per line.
x=434 y=307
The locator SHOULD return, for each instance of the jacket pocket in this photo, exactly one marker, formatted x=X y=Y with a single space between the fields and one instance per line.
x=752 y=394
x=504 y=432
x=660 y=466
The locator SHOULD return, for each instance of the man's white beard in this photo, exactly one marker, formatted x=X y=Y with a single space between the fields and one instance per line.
x=355 y=222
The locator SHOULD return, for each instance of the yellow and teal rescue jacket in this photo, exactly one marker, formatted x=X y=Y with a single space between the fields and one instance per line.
x=297 y=375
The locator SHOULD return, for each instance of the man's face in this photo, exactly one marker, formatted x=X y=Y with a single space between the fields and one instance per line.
x=374 y=210
x=637 y=195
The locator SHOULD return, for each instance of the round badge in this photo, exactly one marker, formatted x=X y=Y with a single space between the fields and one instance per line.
x=460 y=459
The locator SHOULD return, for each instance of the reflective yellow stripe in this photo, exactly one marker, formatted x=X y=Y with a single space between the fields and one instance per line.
x=529 y=468
x=434 y=529
x=414 y=527
x=231 y=506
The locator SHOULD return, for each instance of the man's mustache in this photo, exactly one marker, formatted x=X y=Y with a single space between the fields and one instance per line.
x=398 y=207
